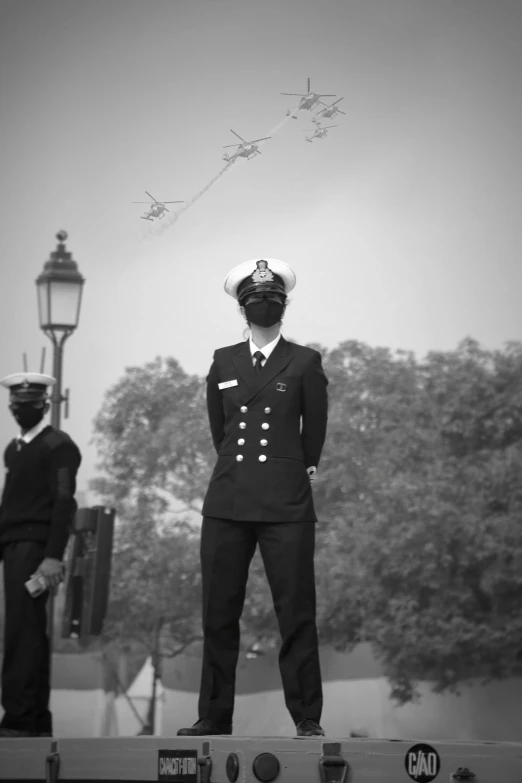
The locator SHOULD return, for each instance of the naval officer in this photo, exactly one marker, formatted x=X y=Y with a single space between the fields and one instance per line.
x=267 y=406
x=36 y=512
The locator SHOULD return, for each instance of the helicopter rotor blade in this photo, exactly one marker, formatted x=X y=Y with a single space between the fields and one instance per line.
x=330 y=126
x=326 y=95
x=239 y=137
x=263 y=139
x=140 y=202
x=173 y=202
x=293 y=93
x=337 y=101
x=232 y=145
x=152 y=197
x=308 y=84
x=342 y=112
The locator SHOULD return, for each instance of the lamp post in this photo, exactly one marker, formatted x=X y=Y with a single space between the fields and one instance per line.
x=59 y=287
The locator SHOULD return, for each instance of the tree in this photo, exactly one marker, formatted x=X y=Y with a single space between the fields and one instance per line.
x=152 y=436
x=427 y=517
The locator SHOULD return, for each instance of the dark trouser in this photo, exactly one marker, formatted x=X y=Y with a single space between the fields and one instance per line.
x=287 y=549
x=26 y=664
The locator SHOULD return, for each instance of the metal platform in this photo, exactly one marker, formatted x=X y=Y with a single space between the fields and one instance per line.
x=252 y=759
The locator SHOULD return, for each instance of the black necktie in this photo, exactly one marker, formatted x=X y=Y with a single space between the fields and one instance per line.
x=258 y=356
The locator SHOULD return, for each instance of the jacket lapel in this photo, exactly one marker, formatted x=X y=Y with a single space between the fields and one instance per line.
x=276 y=362
x=243 y=364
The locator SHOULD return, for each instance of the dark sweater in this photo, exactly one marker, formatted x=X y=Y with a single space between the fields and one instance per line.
x=38 y=499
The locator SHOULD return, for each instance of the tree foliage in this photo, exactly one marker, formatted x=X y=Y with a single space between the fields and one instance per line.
x=419 y=496
x=152 y=436
x=422 y=486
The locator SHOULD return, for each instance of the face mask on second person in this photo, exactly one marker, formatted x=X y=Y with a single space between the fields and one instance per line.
x=27 y=415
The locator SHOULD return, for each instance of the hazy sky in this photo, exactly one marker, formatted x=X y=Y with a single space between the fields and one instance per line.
x=402 y=225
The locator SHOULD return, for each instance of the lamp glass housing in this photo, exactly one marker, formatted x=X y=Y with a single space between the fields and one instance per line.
x=59 y=303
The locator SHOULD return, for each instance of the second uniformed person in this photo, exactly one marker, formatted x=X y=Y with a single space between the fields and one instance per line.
x=36 y=513
x=267 y=405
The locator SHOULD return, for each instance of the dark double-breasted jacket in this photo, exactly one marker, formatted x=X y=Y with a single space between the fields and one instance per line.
x=267 y=430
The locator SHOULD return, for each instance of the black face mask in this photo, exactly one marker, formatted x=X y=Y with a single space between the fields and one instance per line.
x=265 y=313
x=27 y=416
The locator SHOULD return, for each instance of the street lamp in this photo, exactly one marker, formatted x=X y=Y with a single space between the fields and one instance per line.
x=59 y=288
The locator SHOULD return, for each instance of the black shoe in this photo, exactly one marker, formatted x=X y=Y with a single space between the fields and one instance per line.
x=205 y=728
x=309 y=728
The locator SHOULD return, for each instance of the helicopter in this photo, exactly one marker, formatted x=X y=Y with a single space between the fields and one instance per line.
x=329 y=111
x=319 y=132
x=307 y=101
x=246 y=150
x=156 y=209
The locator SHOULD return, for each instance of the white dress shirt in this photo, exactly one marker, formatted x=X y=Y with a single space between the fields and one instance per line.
x=266 y=351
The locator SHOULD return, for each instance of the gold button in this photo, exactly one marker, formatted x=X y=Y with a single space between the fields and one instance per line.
x=264 y=426
x=268 y=410
x=262 y=458
x=243 y=409
x=264 y=442
x=242 y=425
x=241 y=442
x=239 y=458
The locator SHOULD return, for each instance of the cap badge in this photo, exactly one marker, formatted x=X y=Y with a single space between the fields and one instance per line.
x=25 y=383
x=262 y=274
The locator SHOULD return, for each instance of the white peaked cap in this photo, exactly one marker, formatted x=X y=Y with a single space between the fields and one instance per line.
x=264 y=273
x=27 y=380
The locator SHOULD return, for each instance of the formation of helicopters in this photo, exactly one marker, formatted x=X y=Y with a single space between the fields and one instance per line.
x=249 y=149
x=309 y=102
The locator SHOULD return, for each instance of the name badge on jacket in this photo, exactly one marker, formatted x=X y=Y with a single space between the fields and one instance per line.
x=227 y=384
